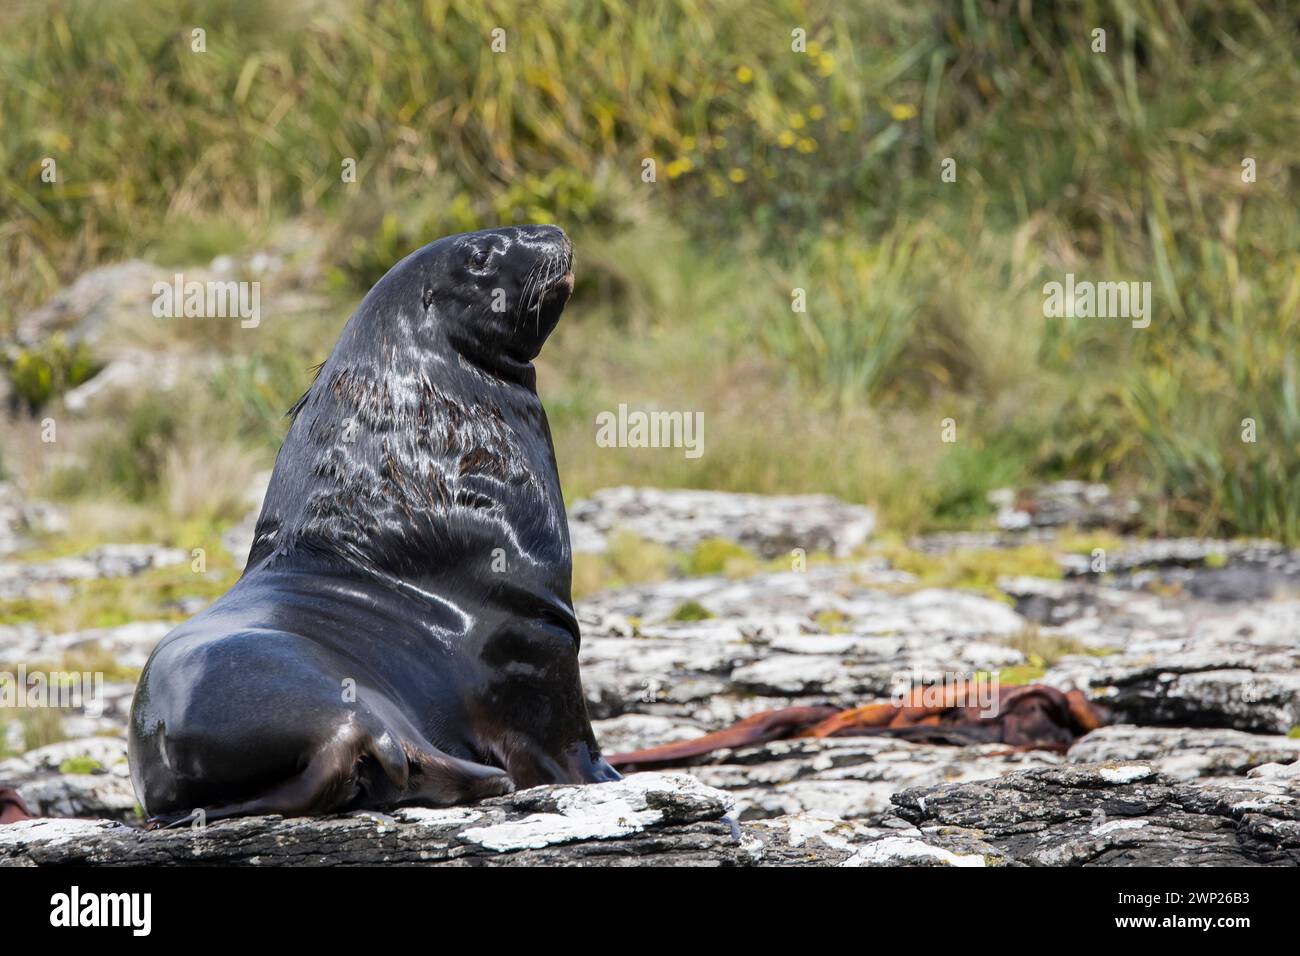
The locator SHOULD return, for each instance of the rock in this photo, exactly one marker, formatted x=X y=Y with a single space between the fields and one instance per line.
x=131 y=369
x=768 y=525
x=128 y=645
x=1122 y=814
x=75 y=778
x=110 y=310
x=1076 y=503
x=102 y=659
x=645 y=819
x=87 y=309
x=1191 y=643
x=910 y=851
x=765 y=643
x=20 y=518
x=847 y=777
x=1117 y=815
x=1180 y=663
x=888 y=840
x=1199 y=554
x=109 y=297
x=634 y=731
x=24 y=579
x=1185 y=753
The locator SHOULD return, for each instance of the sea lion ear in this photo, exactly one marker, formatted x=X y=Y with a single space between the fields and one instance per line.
x=427 y=296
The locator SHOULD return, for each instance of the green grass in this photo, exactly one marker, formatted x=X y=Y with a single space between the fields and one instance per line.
x=691 y=611
x=627 y=560
x=80 y=764
x=1021 y=674
x=719 y=556
x=111 y=602
x=975 y=569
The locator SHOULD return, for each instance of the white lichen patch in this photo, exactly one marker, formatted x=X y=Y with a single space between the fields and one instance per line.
x=1261 y=805
x=440 y=817
x=1129 y=774
x=802 y=828
x=52 y=831
x=1114 y=825
x=605 y=821
x=893 y=851
x=606 y=811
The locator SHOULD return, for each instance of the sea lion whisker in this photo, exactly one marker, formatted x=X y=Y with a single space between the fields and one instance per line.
x=524 y=296
x=546 y=287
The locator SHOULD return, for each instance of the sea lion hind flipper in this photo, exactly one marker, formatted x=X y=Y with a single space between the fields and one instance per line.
x=336 y=777
x=327 y=784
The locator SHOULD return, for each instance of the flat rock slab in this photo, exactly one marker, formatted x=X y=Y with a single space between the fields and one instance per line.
x=75 y=778
x=769 y=525
x=662 y=819
x=50 y=578
x=1096 y=815
x=1186 y=753
x=1116 y=815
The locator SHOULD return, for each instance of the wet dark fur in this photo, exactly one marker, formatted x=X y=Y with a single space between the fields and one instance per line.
x=413 y=543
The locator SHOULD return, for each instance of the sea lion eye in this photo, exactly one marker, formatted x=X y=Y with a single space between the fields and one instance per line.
x=479 y=259
x=427 y=296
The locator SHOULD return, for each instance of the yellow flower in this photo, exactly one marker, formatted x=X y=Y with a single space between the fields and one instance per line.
x=736 y=174
x=678 y=166
x=744 y=74
x=797 y=121
x=719 y=142
x=825 y=64
x=814 y=48
x=816 y=112
x=845 y=124
x=688 y=143
x=902 y=111
x=786 y=139
x=807 y=145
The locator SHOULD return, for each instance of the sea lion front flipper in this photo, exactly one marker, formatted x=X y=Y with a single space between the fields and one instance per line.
x=442 y=779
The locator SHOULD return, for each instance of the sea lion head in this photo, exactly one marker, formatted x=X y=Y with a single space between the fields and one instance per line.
x=493 y=296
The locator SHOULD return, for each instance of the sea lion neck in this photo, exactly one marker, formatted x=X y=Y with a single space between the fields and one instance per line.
x=494 y=364
x=406 y=467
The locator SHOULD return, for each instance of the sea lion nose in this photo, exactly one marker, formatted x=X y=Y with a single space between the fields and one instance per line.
x=553 y=238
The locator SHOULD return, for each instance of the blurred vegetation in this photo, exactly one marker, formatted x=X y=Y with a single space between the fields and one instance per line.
x=156 y=595
x=975 y=569
x=37 y=374
x=775 y=171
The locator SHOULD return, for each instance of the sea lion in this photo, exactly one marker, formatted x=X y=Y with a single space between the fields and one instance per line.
x=403 y=632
